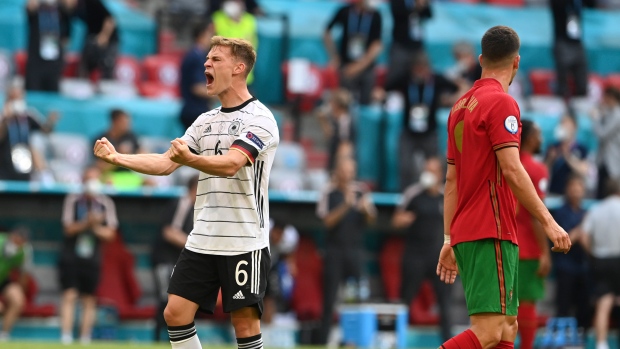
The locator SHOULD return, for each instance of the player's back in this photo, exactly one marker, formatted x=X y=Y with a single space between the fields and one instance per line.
x=484 y=120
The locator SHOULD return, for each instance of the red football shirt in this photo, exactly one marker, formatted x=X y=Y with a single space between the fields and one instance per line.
x=483 y=121
x=528 y=245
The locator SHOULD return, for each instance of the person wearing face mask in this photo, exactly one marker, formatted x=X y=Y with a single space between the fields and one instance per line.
x=606 y=125
x=467 y=69
x=88 y=219
x=345 y=207
x=359 y=48
x=566 y=157
x=233 y=21
x=15 y=255
x=420 y=215
x=337 y=124
x=18 y=160
x=48 y=36
x=534 y=254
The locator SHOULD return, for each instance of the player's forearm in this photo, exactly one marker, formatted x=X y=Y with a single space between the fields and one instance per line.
x=449 y=204
x=151 y=164
x=541 y=237
x=216 y=165
x=523 y=189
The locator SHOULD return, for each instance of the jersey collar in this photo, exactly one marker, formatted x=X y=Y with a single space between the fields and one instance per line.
x=239 y=107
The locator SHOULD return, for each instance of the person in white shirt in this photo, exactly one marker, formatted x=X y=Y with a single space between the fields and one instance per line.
x=233 y=147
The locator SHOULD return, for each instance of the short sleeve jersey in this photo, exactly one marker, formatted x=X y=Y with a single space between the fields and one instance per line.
x=231 y=214
x=483 y=121
x=528 y=244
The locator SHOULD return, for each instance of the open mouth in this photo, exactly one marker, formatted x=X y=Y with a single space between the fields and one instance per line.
x=210 y=78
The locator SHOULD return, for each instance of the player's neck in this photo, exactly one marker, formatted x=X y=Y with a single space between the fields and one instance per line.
x=502 y=75
x=234 y=96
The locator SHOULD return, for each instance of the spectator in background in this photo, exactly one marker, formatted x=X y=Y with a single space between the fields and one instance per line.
x=193 y=83
x=100 y=48
x=233 y=21
x=337 y=125
x=48 y=35
x=606 y=125
x=572 y=294
x=602 y=240
x=407 y=34
x=283 y=239
x=424 y=91
x=18 y=159
x=88 y=219
x=346 y=209
x=568 y=50
x=360 y=46
x=420 y=213
x=566 y=157
x=534 y=252
x=178 y=222
x=16 y=255
x=251 y=5
x=467 y=68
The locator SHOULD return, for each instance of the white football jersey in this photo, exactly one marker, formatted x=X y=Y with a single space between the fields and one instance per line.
x=231 y=214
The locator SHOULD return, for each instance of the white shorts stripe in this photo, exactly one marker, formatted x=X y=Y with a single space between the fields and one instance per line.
x=252 y=273
x=258 y=271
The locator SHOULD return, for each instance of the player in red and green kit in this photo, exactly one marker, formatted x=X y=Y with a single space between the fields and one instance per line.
x=484 y=176
x=534 y=255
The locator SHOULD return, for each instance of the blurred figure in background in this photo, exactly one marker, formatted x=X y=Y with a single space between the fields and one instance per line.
x=534 y=249
x=420 y=213
x=193 y=83
x=251 y=5
x=283 y=239
x=233 y=21
x=467 y=68
x=602 y=240
x=359 y=48
x=606 y=126
x=337 y=124
x=48 y=36
x=100 y=48
x=346 y=209
x=18 y=159
x=572 y=290
x=88 y=219
x=566 y=157
x=15 y=256
x=178 y=222
x=568 y=50
x=424 y=91
x=407 y=34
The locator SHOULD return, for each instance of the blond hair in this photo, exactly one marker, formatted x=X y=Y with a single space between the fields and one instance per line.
x=240 y=49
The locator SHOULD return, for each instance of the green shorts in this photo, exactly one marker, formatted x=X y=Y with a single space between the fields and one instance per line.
x=488 y=270
x=531 y=286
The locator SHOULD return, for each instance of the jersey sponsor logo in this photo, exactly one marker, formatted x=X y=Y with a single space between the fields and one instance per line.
x=239 y=295
x=208 y=130
x=233 y=129
x=254 y=138
x=511 y=124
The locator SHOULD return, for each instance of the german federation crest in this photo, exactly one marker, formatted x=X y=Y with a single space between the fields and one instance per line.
x=511 y=124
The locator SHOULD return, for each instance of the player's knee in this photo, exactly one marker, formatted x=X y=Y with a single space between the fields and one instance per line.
x=16 y=297
x=489 y=337
x=174 y=316
x=245 y=327
x=512 y=326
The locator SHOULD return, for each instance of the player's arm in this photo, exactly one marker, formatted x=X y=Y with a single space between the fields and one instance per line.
x=225 y=165
x=151 y=164
x=522 y=187
x=545 y=259
x=449 y=199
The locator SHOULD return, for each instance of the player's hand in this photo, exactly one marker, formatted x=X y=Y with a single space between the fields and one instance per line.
x=559 y=237
x=179 y=152
x=105 y=151
x=544 y=265
x=446 y=268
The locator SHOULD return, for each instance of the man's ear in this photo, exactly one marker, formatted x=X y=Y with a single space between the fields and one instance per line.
x=239 y=68
x=480 y=59
x=516 y=62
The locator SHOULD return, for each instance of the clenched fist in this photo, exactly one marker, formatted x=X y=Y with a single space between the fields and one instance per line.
x=179 y=152
x=105 y=151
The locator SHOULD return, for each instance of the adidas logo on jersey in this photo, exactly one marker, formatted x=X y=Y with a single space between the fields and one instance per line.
x=238 y=295
x=208 y=130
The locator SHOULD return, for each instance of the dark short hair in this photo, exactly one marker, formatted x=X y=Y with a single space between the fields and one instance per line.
x=200 y=29
x=613 y=92
x=115 y=114
x=527 y=129
x=612 y=187
x=499 y=43
x=420 y=58
x=574 y=177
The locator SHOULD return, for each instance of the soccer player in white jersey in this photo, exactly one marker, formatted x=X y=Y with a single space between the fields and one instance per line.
x=233 y=147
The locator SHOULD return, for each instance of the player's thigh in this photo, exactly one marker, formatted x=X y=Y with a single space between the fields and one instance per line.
x=195 y=278
x=531 y=286
x=244 y=279
x=488 y=273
